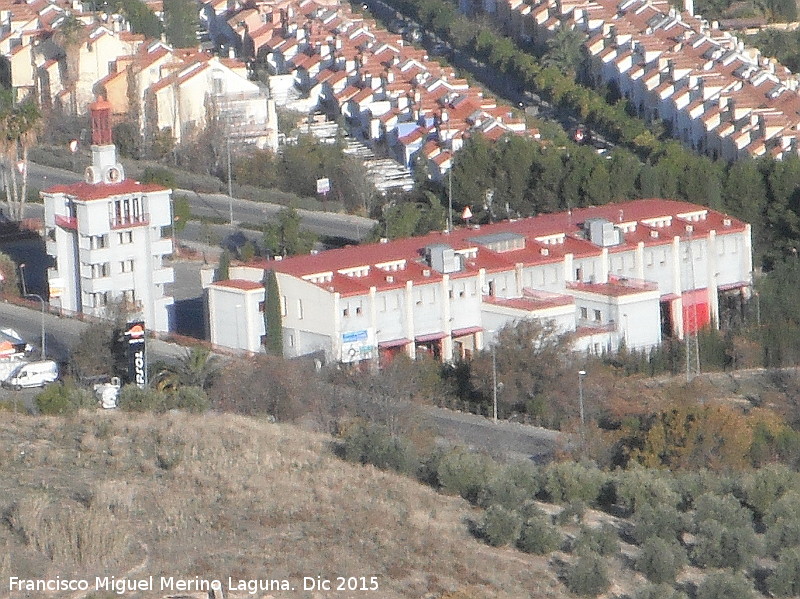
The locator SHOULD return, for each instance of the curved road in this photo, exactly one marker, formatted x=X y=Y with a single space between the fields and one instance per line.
x=218 y=206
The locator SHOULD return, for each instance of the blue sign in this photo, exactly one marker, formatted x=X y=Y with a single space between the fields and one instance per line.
x=354 y=336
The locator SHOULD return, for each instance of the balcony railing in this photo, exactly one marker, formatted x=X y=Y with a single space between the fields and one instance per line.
x=67 y=222
x=124 y=222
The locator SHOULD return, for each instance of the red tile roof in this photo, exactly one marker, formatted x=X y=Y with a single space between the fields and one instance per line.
x=99 y=191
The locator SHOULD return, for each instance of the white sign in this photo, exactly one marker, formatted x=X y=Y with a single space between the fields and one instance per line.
x=358 y=345
x=323 y=185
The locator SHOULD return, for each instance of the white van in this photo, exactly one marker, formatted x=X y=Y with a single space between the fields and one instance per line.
x=33 y=374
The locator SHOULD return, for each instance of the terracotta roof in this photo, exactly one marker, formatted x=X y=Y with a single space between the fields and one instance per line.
x=240 y=284
x=98 y=191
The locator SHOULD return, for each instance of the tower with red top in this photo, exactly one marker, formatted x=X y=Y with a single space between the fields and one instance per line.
x=104 y=168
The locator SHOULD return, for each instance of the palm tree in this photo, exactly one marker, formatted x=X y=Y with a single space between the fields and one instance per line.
x=196 y=368
x=19 y=124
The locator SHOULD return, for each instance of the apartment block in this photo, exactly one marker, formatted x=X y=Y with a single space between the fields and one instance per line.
x=631 y=273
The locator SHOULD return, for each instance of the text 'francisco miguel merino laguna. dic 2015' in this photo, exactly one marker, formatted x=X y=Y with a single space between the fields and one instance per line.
x=120 y=586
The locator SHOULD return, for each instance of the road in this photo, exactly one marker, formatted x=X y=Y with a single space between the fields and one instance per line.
x=218 y=207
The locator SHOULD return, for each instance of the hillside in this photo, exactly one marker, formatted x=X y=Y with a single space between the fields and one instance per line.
x=218 y=496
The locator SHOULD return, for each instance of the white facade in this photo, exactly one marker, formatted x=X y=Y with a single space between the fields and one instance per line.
x=651 y=267
x=108 y=238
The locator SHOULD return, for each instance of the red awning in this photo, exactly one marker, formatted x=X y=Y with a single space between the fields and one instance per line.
x=429 y=337
x=393 y=343
x=732 y=286
x=467 y=331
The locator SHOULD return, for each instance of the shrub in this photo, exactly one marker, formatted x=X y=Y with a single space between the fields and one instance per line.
x=660 y=561
x=63 y=398
x=569 y=481
x=785 y=580
x=538 y=536
x=602 y=540
x=372 y=444
x=719 y=546
x=501 y=526
x=788 y=506
x=158 y=175
x=191 y=399
x=658 y=591
x=782 y=534
x=725 y=509
x=464 y=473
x=588 y=576
x=637 y=487
x=765 y=486
x=134 y=399
x=572 y=512
x=662 y=521
x=725 y=585
x=510 y=486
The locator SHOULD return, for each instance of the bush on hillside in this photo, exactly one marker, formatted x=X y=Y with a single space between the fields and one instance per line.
x=464 y=473
x=588 y=576
x=660 y=561
x=785 y=580
x=63 y=398
x=538 y=536
x=372 y=444
x=658 y=591
x=602 y=540
x=500 y=526
x=510 y=486
x=725 y=585
x=661 y=521
x=565 y=482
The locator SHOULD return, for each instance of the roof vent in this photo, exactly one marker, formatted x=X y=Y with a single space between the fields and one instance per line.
x=545 y=252
x=389 y=279
x=277 y=258
x=689 y=228
x=426 y=272
x=384 y=240
x=654 y=234
x=726 y=222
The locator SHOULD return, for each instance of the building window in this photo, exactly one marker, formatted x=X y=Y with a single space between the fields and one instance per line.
x=261 y=306
x=129 y=295
x=358 y=310
x=585 y=313
x=283 y=305
x=346 y=312
x=597 y=316
x=491 y=288
x=649 y=258
x=98 y=242
x=125 y=237
x=126 y=266
x=300 y=309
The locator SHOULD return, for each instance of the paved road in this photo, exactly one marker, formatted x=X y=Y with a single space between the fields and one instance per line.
x=218 y=206
x=62 y=333
x=509 y=439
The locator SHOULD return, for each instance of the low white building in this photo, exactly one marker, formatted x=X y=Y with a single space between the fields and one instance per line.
x=108 y=237
x=627 y=273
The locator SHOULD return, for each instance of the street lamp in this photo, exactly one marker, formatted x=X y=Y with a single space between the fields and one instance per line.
x=41 y=300
x=581 y=374
x=22 y=278
x=494 y=383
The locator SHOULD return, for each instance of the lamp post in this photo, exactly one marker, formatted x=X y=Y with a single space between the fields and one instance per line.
x=22 y=278
x=581 y=374
x=41 y=300
x=494 y=383
x=446 y=119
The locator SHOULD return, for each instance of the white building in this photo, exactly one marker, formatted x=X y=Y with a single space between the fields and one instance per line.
x=621 y=273
x=108 y=237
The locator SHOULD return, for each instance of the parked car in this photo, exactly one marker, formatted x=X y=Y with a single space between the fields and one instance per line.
x=33 y=374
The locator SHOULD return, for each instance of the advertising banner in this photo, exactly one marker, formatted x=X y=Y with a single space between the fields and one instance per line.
x=136 y=350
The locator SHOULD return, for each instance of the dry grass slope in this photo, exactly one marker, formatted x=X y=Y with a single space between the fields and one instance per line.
x=220 y=495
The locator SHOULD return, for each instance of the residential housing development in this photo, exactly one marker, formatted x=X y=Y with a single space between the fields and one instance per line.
x=163 y=90
x=712 y=93
x=108 y=237
x=631 y=273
